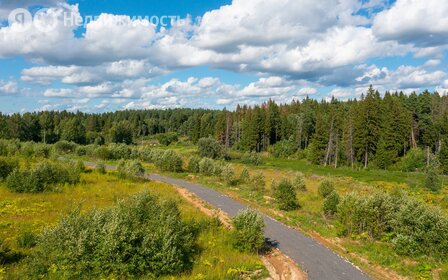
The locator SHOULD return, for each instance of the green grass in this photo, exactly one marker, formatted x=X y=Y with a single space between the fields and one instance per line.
x=34 y=212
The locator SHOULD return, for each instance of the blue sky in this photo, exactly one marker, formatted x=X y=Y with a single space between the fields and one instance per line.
x=219 y=54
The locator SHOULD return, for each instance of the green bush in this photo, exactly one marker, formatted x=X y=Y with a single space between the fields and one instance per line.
x=286 y=196
x=299 y=182
x=7 y=166
x=412 y=227
x=207 y=167
x=193 y=164
x=252 y=158
x=244 y=176
x=65 y=147
x=166 y=139
x=4 y=252
x=169 y=161
x=331 y=203
x=326 y=187
x=141 y=236
x=209 y=147
x=414 y=160
x=26 y=240
x=130 y=169
x=283 y=149
x=228 y=175
x=248 y=235
x=42 y=177
x=433 y=181
x=258 y=182
x=101 y=168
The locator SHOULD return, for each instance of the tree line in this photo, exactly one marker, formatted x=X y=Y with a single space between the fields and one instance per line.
x=374 y=130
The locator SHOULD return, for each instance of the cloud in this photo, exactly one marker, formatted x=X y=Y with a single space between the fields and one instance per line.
x=8 y=87
x=404 y=77
x=417 y=22
x=90 y=75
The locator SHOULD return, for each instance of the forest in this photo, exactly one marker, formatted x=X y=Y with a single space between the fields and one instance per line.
x=377 y=131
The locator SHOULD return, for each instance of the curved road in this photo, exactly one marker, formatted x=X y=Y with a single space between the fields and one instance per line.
x=319 y=262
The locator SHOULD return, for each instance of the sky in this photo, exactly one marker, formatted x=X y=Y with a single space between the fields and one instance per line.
x=107 y=55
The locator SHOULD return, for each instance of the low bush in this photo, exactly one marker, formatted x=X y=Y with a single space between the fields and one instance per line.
x=413 y=161
x=26 y=240
x=252 y=158
x=228 y=175
x=101 y=168
x=285 y=195
x=411 y=226
x=209 y=147
x=166 y=139
x=141 y=236
x=283 y=149
x=258 y=182
x=299 y=182
x=326 y=187
x=65 y=147
x=4 y=252
x=433 y=181
x=331 y=203
x=43 y=177
x=207 y=167
x=7 y=166
x=193 y=164
x=244 y=176
x=249 y=231
x=169 y=161
x=130 y=169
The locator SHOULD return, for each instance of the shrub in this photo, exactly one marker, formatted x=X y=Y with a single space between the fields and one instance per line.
x=331 y=203
x=81 y=151
x=252 y=158
x=101 y=168
x=102 y=152
x=207 y=167
x=283 y=149
x=249 y=231
x=42 y=150
x=27 y=240
x=80 y=166
x=4 y=252
x=286 y=196
x=166 y=139
x=413 y=228
x=7 y=166
x=141 y=236
x=433 y=181
x=24 y=181
x=119 y=151
x=299 y=182
x=130 y=169
x=228 y=175
x=414 y=160
x=42 y=177
x=258 y=182
x=169 y=161
x=244 y=176
x=326 y=187
x=65 y=147
x=193 y=164
x=209 y=147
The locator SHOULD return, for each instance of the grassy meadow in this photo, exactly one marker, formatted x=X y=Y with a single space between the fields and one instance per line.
x=21 y=213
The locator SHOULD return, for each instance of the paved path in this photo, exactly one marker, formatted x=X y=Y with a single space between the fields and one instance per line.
x=319 y=262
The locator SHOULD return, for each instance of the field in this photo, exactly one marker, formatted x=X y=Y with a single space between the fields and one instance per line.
x=375 y=257
x=33 y=212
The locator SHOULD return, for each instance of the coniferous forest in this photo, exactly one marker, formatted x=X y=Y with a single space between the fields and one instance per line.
x=376 y=131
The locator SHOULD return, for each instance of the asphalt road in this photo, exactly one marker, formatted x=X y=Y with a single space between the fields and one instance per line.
x=319 y=262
